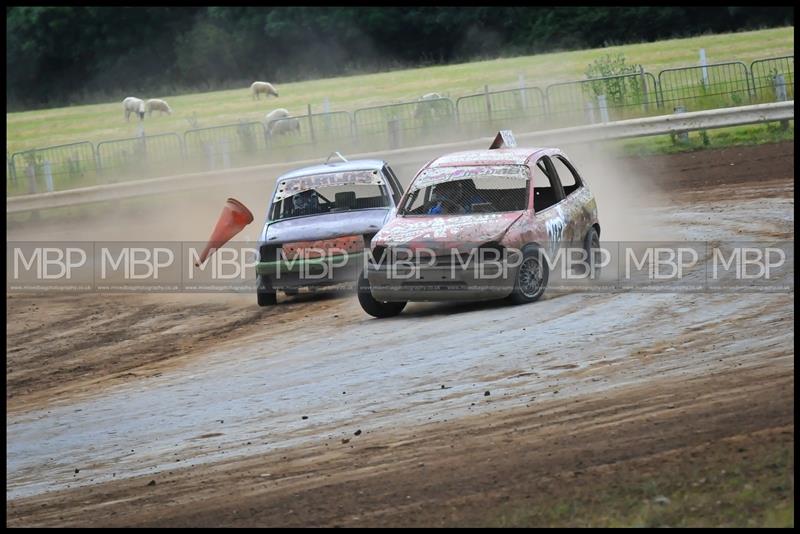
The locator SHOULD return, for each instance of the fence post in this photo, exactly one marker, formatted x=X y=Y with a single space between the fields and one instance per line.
x=226 y=155
x=98 y=164
x=208 y=148
x=601 y=103
x=646 y=106
x=394 y=133
x=12 y=169
x=311 y=126
x=326 y=109
x=522 y=92
x=30 y=171
x=590 y=116
x=48 y=176
x=703 y=64
x=779 y=82
x=488 y=101
x=682 y=137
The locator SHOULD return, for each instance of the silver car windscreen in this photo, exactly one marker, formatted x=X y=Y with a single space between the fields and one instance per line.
x=333 y=192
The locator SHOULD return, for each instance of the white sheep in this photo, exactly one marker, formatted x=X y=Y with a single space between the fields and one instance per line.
x=279 y=122
x=431 y=106
x=262 y=87
x=154 y=104
x=133 y=105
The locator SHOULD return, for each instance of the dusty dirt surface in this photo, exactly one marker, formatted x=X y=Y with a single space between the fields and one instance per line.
x=206 y=410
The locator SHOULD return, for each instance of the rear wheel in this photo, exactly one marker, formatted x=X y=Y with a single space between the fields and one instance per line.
x=375 y=307
x=265 y=294
x=592 y=246
x=532 y=276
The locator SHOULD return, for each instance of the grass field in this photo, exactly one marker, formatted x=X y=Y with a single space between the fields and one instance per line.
x=105 y=121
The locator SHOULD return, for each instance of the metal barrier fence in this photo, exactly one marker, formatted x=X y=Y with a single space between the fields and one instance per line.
x=323 y=131
x=224 y=147
x=705 y=87
x=773 y=79
x=648 y=126
x=139 y=157
x=603 y=99
x=40 y=169
x=511 y=108
x=404 y=124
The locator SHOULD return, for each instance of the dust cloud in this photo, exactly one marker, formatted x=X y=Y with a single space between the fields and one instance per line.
x=625 y=192
x=625 y=197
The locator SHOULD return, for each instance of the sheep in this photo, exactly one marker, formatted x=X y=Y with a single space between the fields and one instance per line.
x=430 y=105
x=279 y=122
x=155 y=104
x=133 y=105
x=262 y=87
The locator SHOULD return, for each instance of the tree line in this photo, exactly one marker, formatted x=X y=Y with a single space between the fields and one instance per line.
x=58 y=56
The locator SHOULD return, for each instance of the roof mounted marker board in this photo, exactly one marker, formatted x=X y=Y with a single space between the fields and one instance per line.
x=337 y=155
x=504 y=139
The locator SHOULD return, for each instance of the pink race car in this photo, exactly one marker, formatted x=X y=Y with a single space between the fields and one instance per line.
x=479 y=225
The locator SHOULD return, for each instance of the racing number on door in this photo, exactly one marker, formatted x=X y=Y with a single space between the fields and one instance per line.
x=548 y=201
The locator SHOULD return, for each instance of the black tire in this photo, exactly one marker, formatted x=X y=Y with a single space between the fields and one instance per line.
x=532 y=276
x=265 y=294
x=591 y=244
x=376 y=308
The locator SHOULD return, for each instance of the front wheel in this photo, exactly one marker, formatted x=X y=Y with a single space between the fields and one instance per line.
x=374 y=307
x=265 y=293
x=532 y=276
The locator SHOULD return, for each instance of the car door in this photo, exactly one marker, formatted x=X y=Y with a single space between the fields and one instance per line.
x=548 y=204
x=575 y=199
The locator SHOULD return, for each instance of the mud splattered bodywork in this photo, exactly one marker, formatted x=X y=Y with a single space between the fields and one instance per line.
x=300 y=239
x=545 y=216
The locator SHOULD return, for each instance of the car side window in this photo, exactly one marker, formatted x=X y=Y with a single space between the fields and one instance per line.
x=567 y=175
x=394 y=184
x=546 y=187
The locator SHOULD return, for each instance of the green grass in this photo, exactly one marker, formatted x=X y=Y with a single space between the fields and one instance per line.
x=99 y=122
x=722 y=491
x=718 y=138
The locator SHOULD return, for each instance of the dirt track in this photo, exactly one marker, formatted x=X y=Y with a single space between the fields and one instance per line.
x=133 y=388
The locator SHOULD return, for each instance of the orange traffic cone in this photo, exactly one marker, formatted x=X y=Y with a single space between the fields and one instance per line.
x=233 y=218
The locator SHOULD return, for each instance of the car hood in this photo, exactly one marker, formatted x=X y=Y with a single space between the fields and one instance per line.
x=446 y=231
x=324 y=226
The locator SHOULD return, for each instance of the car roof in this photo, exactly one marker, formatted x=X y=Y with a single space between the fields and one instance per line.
x=336 y=166
x=497 y=156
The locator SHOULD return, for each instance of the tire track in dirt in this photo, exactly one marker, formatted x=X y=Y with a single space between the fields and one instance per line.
x=579 y=383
